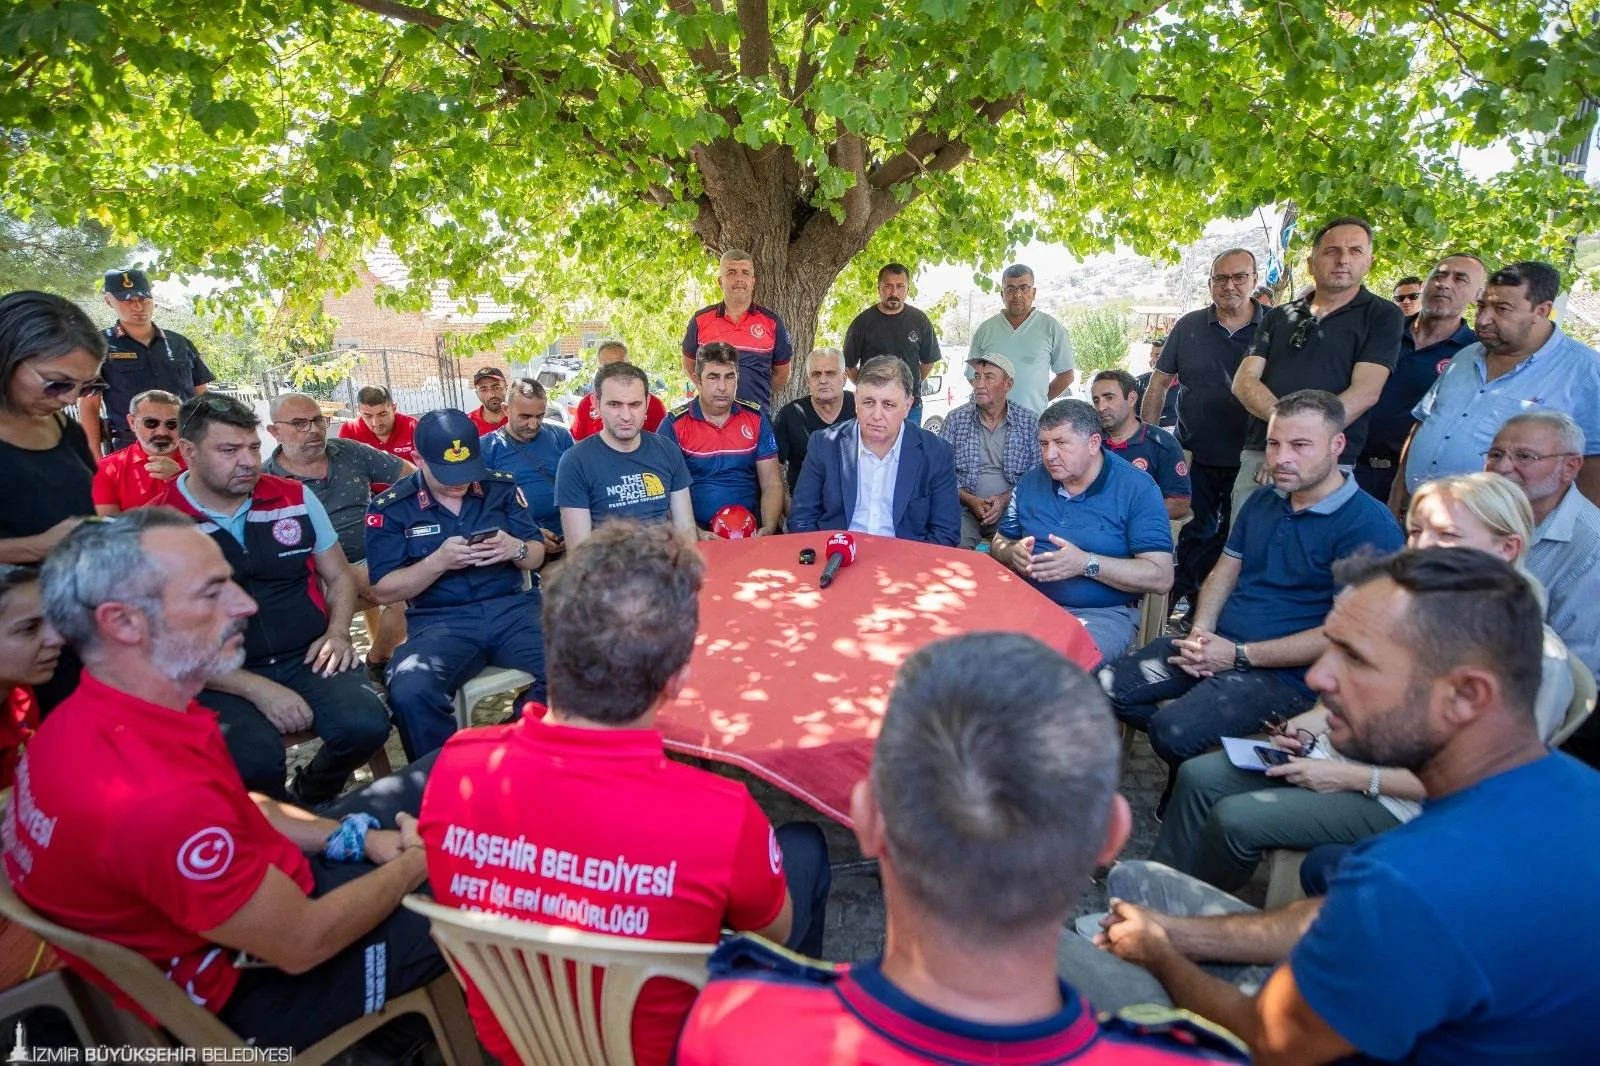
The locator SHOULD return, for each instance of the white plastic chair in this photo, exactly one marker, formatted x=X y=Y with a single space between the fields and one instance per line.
x=538 y=981
x=491 y=681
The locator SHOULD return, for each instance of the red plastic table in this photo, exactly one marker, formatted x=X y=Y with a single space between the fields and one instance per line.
x=789 y=681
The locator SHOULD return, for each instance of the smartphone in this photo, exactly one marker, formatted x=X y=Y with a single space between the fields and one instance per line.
x=1271 y=756
x=483 y=535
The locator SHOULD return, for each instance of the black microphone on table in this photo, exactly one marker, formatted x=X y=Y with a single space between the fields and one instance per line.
x=841 y=551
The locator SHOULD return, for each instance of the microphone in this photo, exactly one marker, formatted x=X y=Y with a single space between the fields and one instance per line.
x=841 y=551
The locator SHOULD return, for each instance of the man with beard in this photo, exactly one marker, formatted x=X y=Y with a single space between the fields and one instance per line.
x=135 y=476
x=1115 y=395
x=490 y=385
x=1258 y=622
x=341 y=474
x=1424 y=949
x=131 y=824
x=893 y=327
x=1522 y=360
x=298 y=662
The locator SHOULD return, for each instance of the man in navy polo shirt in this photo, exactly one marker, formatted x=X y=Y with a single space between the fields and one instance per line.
x=1432 y=337
x=1258 y=624
x=1149 y=448
x=1339 y=338
x=756 y=333
x=1204 y=351
x=728 y=444
x=1087 y=529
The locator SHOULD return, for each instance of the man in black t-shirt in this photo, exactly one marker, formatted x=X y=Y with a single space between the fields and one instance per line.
x=1339 y=338
x=893 y=327
x=825 y=403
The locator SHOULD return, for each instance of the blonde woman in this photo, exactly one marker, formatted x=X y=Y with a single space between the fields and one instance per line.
x=1222 y=819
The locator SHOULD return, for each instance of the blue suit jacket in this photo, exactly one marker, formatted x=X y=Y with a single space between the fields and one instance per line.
x=927 y=505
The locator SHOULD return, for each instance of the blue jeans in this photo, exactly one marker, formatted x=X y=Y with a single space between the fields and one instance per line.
x=1111 y=628
x=1202 y=710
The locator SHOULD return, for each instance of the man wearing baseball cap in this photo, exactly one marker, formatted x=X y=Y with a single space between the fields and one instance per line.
x=490 y=385
x=996 y=441
x=454 y=540
x=140 y=356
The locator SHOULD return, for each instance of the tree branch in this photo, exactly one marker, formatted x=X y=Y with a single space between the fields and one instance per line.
x=755 y=39
x=925 y=146
x=706 y=56
x=403 y=13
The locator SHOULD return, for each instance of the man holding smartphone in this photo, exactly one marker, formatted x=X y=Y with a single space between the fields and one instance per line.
x=454 y=539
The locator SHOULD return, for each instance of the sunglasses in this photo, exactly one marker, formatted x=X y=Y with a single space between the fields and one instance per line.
x=1302 y=331
x=56 y=389
x=152 y=423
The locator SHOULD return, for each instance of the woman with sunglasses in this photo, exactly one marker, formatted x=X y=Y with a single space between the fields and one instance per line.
x=29 y=649
x=50 y=355
x=1221 y=819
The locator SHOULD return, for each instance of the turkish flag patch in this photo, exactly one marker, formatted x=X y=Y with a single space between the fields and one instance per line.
x=375 y=521
x=1182 y=468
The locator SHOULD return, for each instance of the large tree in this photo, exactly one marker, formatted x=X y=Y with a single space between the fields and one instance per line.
x=608 y=146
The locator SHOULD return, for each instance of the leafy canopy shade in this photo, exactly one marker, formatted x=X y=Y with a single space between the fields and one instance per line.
x=592 y=147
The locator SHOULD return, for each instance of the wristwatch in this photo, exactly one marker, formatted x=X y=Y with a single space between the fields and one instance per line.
x=1092 y=567
x=522 y=553
x=1375 y=783
x=1241 y=658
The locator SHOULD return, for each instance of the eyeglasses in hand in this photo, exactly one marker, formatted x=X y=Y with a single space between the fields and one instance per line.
x=1278 y=726
x=1302 y=331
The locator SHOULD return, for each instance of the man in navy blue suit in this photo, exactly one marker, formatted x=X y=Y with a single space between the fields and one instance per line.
x=876 y=473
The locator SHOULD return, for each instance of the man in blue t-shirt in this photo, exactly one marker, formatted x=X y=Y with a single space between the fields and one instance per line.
x=622 y=471
x=530 y=450
x=1258 y=623
x=1086 y=529
x=1429 y=946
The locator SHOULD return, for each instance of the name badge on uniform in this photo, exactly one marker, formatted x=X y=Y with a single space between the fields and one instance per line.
x=122 y=355
x=423 y=531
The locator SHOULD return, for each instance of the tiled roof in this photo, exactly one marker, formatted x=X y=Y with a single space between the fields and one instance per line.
x=392 y=272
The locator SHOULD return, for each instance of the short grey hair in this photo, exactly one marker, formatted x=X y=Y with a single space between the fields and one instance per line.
x=104 y=561
x=1016 y=270
x=161 y=396
x=825 y=353
x=284 y=397
x=1220 y=256
x=1077 y=415
x=735 y=255
x=1566 y=427
x=880 y=370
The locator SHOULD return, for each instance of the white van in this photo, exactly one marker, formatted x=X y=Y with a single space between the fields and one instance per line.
x=946 y=387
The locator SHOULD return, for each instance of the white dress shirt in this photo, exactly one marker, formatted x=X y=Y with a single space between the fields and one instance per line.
x=874 y=511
